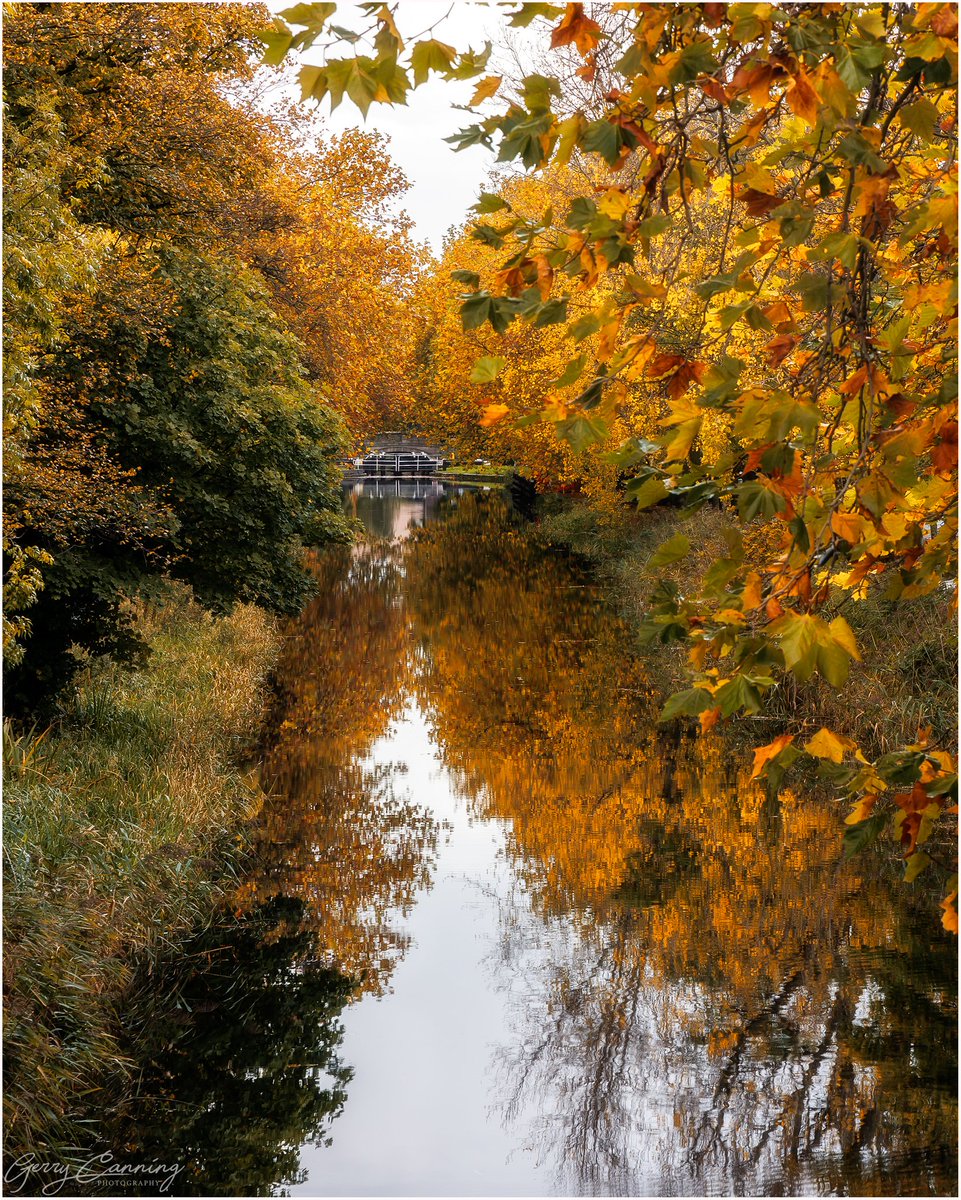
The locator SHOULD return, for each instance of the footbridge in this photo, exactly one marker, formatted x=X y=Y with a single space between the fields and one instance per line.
x=398 y=456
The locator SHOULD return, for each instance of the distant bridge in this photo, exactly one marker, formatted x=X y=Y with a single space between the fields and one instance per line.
x=398 y=456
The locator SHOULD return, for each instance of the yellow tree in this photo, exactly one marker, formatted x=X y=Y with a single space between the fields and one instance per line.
x=830 y=131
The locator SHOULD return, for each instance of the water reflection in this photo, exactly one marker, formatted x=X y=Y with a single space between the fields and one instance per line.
x=236 y=1047
x=711 y=1000
x=337 y=830
x=388 y=508
x=655 y=980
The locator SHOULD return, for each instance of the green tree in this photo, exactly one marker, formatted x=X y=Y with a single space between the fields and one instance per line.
x=177 y=434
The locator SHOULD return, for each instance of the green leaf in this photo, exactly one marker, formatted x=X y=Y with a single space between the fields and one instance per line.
x=798 y=639
x=584 y=326
x=686 y=704
x=314 y=16
x=603 y=138
x=476 y=309
x=552 y=312
x=647 y=492
x=278 y=42
x=572 y=372
x=739 y=694
x=652 y=226
x=471 y=278
x=489 y=203
x=428 y=56
x=857 y=837
x=670 y=551
x=754 y=500
x=313 y=83
x=539 y=91
x=840 y=246
x=915 y=865
x=470 y=64
x=488 y=235
x=581 y=432
x=530 y=11
x=487 y=369
x=581 y=213
x=920 y=119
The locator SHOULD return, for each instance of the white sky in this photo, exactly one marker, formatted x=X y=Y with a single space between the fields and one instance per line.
x=444 y=182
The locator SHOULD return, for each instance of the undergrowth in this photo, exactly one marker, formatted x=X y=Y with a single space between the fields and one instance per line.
x=120 y=834
x=905 y=681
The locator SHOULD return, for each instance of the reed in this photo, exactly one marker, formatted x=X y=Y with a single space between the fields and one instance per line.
x=124 y=824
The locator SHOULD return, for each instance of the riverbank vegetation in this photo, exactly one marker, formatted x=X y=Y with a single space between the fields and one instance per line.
x=123 y=825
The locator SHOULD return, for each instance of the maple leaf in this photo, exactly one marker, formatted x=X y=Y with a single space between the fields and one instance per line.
x=485 y=89
x=493 y=413
x=766 y=754
x=578 y=28
x=803 y=99
x=827 y=744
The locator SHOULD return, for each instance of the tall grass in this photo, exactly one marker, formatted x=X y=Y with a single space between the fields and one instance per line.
x=120 y=827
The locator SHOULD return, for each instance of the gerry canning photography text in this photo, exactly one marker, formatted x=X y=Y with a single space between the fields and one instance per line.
x=30 y=1175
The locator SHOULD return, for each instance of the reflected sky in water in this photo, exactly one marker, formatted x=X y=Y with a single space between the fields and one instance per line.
x=591 y=957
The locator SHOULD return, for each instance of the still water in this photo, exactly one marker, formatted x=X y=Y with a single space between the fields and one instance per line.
x=520 y=941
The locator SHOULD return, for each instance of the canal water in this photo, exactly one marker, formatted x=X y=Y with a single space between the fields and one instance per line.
x=506 y=936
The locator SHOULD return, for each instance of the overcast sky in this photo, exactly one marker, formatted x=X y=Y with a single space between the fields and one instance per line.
x=444 y=183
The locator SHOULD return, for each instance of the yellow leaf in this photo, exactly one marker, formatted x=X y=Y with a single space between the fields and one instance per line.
x=751 y=596
x=614 y=203
x=844 y=636
x=683 y=439
x=826 y=744
x=861 y=810
x=485 y=89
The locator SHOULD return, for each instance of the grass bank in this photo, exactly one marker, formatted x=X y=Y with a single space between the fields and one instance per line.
x=120 y=834
x=906 y=679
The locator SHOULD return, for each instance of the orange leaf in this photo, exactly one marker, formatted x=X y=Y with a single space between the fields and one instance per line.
x=759 y=204
x=765 y=754
x=848 y=526
x=485 y=89
x=751 y=596
x=950 y=918
x=780 y=347
x=577 y=28
x=803 y=99
x=709 y=718
x=757 y=80
x=494 y=413
x=663 y=365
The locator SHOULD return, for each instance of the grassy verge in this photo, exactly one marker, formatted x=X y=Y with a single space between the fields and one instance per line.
x=491 y=470
x=120 y=824
x=909 y=650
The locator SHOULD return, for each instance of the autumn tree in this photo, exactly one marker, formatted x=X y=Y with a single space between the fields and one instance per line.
x=827 y=134
x=341 y=270
x=161 y=421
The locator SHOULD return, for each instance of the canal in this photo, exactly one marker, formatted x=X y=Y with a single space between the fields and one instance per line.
x=507 y=936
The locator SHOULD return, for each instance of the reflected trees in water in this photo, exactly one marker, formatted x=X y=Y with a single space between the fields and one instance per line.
x=236 y=1049
x=336 y=830
x=696 y=959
